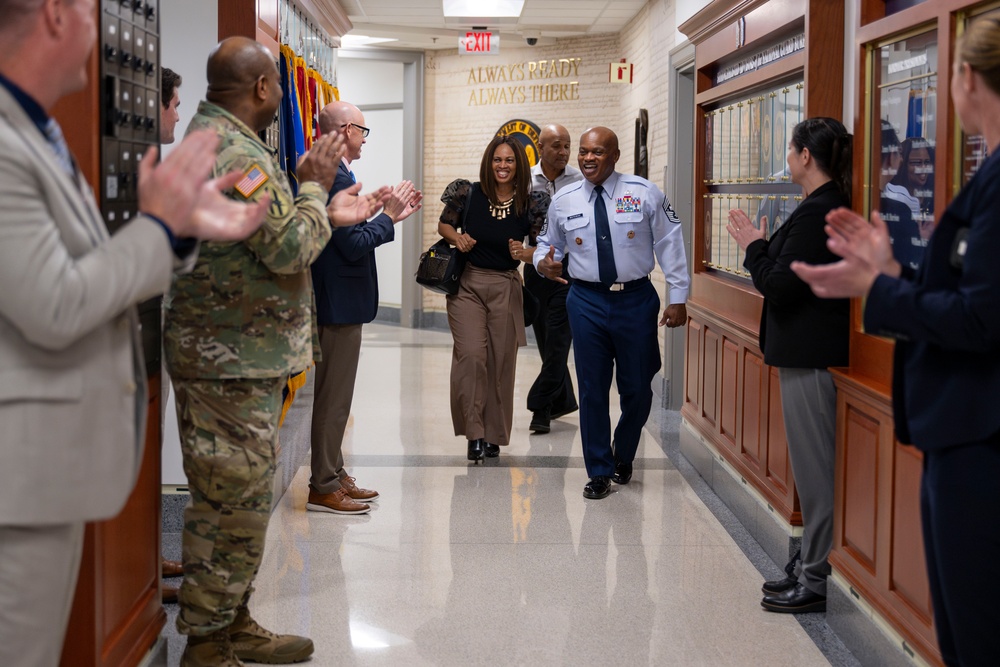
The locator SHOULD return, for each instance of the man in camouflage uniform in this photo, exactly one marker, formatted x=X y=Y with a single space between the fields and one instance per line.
x=236 y=327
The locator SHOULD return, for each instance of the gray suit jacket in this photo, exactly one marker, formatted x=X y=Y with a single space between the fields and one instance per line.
x=72 y=384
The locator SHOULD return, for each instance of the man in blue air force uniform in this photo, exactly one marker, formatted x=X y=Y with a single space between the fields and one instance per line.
x=613 y=225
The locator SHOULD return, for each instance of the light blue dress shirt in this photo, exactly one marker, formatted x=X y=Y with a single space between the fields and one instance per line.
x=643 y=227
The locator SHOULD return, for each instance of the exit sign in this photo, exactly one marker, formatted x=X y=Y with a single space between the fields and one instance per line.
x=479 y=43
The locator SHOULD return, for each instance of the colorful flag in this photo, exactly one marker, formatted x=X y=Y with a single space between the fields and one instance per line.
x=251 y=181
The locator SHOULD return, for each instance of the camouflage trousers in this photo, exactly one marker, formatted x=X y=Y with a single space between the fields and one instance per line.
x=228 y=431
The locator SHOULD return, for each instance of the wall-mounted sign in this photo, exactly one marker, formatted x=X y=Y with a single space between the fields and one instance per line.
x=479 y=43
x=620 y=72
x=526 y=133
x=532 y=82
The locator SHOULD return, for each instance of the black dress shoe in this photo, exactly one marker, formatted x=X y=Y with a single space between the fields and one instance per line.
x=623 y=473
x=492 y=451
x=476 y=450
x=598 y=487
x=556 y=414
x=796 y=600
x=540 y=421
x=779 y=585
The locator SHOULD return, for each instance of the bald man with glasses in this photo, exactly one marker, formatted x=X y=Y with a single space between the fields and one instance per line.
x=345 y=280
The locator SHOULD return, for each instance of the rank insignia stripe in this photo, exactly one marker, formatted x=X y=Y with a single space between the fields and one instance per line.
x=251 y=181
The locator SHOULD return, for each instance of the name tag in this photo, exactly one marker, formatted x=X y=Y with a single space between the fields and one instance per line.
x=574 y=217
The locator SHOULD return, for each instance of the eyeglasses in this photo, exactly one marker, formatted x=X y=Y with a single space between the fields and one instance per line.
x=364 y=130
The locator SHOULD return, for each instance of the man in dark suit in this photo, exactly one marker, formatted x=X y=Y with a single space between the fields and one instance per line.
x=72 y=378
x=346 y=283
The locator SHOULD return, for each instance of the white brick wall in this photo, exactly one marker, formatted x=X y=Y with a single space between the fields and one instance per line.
x=456 y=133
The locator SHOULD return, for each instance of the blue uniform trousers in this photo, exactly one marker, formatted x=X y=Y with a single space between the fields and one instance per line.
x=961 y=521
x=613 y=331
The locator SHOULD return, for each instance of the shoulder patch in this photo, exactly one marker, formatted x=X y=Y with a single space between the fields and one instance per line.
x=252 y=180
x=668 y=210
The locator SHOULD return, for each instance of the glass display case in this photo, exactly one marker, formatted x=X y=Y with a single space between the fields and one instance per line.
x=900 y=178
x=745 y=168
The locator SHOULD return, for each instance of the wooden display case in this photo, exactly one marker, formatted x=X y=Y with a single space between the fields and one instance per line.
x=761 y=67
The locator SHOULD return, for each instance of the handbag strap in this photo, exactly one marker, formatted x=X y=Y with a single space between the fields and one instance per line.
x=465 y=209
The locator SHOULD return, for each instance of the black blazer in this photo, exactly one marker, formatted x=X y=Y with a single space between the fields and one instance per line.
x=345 y=278
x=946 y=317
x=797 y=328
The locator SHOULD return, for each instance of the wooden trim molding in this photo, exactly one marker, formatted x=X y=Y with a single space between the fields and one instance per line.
x=716 y=16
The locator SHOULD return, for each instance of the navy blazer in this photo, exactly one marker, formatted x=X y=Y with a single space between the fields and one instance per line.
x=344 y=277
x=797 y=328
x=946 y=317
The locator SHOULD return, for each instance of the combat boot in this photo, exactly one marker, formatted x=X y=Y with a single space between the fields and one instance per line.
x=255 y=644
x=214 y=650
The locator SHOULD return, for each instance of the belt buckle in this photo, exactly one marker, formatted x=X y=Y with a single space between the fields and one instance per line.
x=617 y=287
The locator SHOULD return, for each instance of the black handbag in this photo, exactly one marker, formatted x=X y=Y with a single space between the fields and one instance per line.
x=440 y=268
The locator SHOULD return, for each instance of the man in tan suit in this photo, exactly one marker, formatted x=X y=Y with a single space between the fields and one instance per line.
x=72 y=384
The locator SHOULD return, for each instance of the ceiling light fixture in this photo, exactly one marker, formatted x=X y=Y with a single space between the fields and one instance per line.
x=494 y=8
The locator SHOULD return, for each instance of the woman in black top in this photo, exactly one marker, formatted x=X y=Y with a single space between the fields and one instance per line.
x=486 y=316
x=802 y=335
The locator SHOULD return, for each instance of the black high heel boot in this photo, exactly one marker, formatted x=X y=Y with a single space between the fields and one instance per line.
x=476 y=450
x=492 y=451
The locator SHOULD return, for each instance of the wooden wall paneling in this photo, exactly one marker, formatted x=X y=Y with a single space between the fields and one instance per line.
x=769 y=74
x=753 y=426
x=710 y=378
x=79 y=115
x=729 y=392
x=237 y=17
x=778 y=470
x=859 y=484
x=718 y=39
x=907 y=572
x=117 y=615
x=824 y=29
x=692 y=374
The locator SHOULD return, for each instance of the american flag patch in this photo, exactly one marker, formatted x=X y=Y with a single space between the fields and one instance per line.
x=251 y=181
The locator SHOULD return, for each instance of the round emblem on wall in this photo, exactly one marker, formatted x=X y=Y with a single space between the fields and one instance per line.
x=526 y=133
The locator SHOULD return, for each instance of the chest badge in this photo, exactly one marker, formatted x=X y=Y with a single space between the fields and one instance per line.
x=579 y=241
x=631 y=234
x=628 y=204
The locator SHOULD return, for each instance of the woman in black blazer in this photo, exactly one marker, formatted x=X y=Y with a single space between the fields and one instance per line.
x=945 y=317
x=802 y=335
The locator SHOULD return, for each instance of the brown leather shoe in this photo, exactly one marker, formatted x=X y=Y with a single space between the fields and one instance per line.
x=171 y=568
x=357 y=493
x=168 y=594
x=337 y=503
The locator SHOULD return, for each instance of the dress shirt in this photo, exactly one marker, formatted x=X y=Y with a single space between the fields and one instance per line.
x=540 y=183
x=644 y=230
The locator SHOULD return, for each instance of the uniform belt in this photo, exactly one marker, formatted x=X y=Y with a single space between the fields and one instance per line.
x=615 y=287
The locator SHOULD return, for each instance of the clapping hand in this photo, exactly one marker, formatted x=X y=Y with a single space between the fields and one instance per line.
x=349 y=208
x=322 y=161
x=404 y=200
x=179 y=192
x=866 y=252
x=741 y=228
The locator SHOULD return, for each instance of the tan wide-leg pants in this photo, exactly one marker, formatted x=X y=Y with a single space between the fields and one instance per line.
x=487 y=323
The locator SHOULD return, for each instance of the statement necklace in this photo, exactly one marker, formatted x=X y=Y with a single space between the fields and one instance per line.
x=500 y=211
